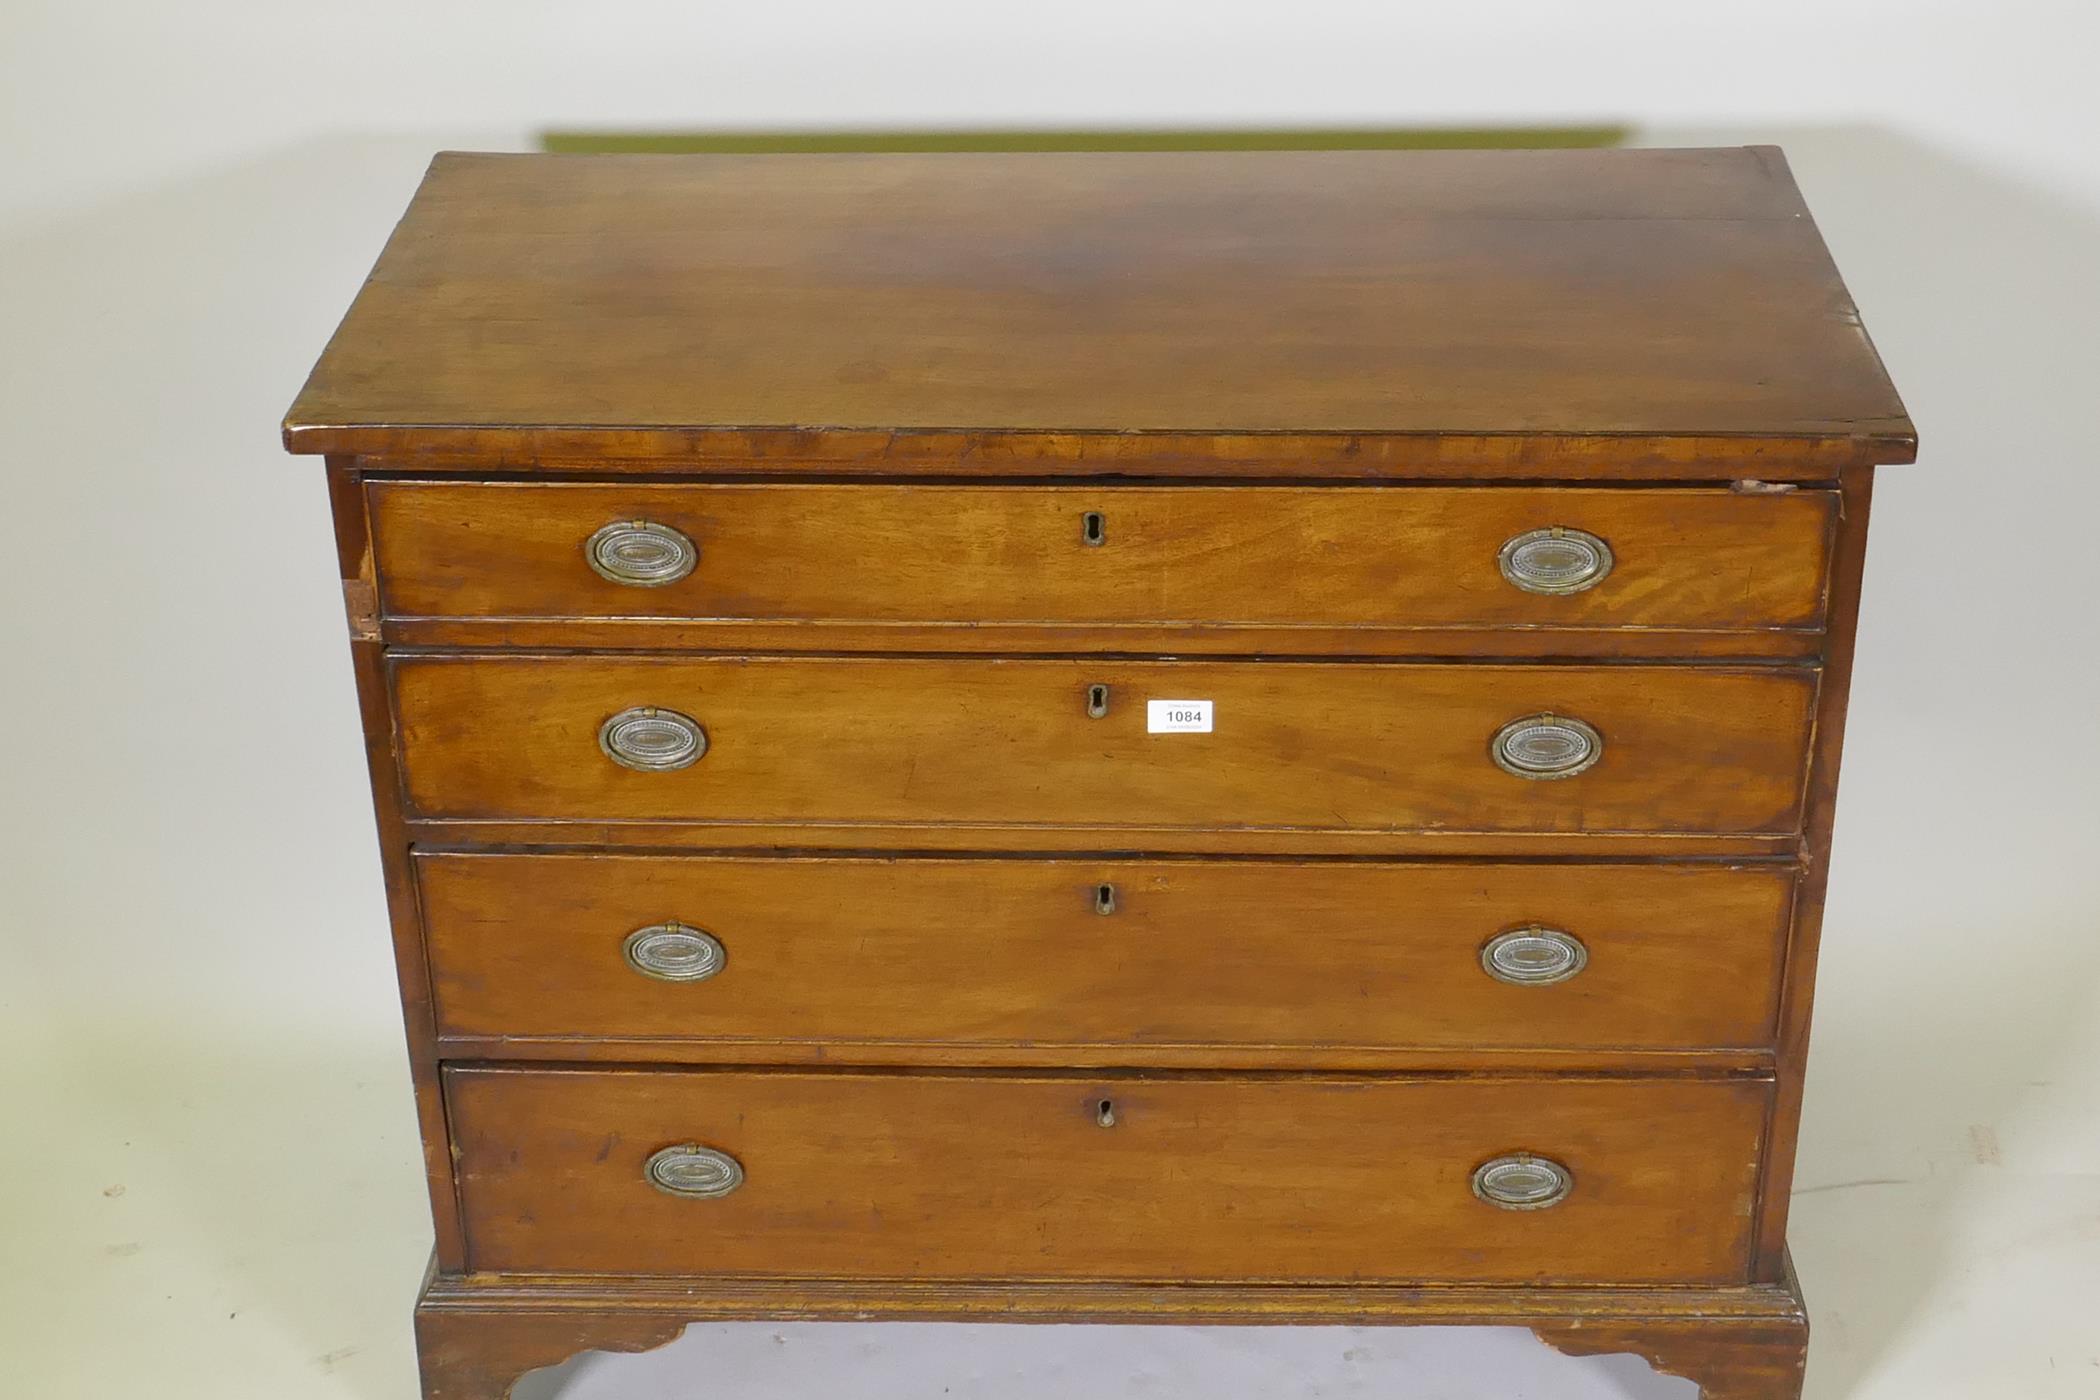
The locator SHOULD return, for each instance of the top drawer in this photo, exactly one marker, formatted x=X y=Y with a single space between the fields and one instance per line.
x=1522 y=569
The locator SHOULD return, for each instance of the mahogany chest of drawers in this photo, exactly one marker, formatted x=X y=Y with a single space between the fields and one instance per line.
x=1226 y=737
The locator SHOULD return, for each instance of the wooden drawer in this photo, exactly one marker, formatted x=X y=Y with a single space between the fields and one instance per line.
x=1008 y=564
x=854 y=958
x=1010 y=744
x=851 y=1175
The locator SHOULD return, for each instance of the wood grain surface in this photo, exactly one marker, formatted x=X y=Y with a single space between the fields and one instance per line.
x=477 y=1334
x=646 y=305
x=1309 y=397
x=1315 y=746
x=889 y=956
x=852 y=1175
x=1013 y=561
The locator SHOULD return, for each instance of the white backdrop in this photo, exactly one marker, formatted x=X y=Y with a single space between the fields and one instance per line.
x=101 y=100
x=208 y=1178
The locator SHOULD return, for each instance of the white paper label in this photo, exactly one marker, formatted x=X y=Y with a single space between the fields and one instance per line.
x=1177 y=716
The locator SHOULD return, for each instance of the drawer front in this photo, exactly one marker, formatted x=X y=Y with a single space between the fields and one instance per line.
x=1295 y=746
x=966 y=557
x=1057 y=954
x=851 y=1175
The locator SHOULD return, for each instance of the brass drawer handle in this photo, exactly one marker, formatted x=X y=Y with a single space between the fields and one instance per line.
x=694 y=1172
x=1546 y=746
x=650 y=740
x=672 y=952
x=1534 y=956
x=1555 y=560
x=641 y=553
x=1521 y=1181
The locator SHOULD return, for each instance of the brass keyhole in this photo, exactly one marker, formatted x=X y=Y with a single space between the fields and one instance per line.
x=1104 y=899
x=1105 y=1113
x=1096 y=701
x=1093 y=529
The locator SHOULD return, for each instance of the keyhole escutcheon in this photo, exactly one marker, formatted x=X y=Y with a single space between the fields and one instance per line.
x=1093 y=529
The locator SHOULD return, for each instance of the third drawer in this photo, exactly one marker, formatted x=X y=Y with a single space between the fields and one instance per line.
x=932 y=958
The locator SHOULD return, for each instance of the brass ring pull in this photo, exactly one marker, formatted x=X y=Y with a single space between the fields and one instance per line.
x=672 y=952
x=693 y=1172
x=1534 y=956
x=1521 y=1181
x=1555 y=560
x=641 y=553
x=1546 y=746
x=650 y=740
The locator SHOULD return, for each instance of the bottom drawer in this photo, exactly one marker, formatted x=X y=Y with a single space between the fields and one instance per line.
x=1033 y=1176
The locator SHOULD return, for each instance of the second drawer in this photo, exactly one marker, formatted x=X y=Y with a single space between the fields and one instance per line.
x=1052 y=955
x=945 y=744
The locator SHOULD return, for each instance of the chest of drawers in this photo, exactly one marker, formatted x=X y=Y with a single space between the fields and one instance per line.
x=1232 y=738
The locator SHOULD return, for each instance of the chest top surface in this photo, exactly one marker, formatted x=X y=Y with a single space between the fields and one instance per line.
x=667 y=306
